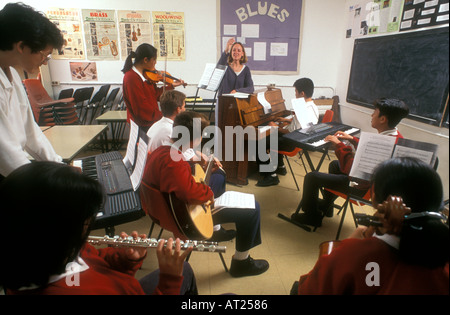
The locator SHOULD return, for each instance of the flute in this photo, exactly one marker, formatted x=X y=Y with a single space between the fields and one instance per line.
x=200 y=246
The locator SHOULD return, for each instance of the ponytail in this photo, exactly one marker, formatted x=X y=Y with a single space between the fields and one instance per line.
x=143 y=51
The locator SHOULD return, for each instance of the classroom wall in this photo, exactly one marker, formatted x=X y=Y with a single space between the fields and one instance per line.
x=325 y=57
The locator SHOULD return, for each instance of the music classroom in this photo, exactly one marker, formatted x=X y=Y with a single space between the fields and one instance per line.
x=284 y=41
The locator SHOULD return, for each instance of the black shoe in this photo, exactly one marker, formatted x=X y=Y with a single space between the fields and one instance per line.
x=326 y=208
x=303 y=218
x=248 y=267
x=281 y=170
x=223 y=235
x=268 y=180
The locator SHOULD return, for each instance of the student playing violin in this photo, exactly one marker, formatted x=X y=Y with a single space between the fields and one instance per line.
x=140 y=94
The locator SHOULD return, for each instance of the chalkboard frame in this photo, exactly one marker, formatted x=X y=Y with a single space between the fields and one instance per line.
x=440 y=93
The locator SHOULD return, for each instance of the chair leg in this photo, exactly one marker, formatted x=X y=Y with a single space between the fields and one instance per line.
x=344 y=207
x=223 y=262
x=303 y=162
x=353 y=214
x=292 y=172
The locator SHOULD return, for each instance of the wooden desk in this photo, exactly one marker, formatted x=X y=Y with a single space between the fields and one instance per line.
x=117 y=120
x=68 y=141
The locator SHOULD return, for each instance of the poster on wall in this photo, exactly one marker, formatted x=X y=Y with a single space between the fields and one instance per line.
x=83 y=71
x=368 y=17
x=134 y=30
x=268 y=30
x=421 y=13
x=169 y=35
x=101 y=34
x=69 y=22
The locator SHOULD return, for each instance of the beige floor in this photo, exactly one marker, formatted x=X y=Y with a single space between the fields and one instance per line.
x=290 y=250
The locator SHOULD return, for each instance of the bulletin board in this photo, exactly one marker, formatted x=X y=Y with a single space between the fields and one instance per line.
x=270 y=32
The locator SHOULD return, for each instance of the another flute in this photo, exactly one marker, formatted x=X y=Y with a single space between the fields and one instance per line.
x=200 y=246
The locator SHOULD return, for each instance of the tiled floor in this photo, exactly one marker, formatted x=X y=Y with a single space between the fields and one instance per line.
x=290 y=250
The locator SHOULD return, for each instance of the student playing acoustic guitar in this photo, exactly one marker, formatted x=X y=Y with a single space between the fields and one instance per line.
x=167 y=169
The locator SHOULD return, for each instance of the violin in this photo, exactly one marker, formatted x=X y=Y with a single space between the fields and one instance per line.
x=155 y=76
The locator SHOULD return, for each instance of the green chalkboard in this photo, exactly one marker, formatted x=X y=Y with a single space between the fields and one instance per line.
x=410 y=66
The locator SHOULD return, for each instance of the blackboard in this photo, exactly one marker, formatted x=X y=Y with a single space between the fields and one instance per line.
x=413 y=67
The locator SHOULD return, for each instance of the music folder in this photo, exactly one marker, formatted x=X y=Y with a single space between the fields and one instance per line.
x=136 y=155
x=375 y=148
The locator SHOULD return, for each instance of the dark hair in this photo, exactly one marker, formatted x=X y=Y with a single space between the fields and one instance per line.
x=143 y=51
x=305 y=85
x=46 y=207
x=243 y=59
x=421 y=189
x=394 y=110
x=193 y=122
x=20 y=22
x=170 y=101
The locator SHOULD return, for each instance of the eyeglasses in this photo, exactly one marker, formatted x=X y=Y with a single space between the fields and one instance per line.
x=47 y=57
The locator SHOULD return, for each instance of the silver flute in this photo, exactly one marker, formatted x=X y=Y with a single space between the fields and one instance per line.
x=200 y=246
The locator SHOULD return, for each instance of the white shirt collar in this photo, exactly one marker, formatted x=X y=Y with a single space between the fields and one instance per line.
x=391 y=240
x=390 y=132
x=140 y=74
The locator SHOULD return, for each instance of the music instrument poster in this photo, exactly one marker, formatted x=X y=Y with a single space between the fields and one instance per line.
x=69 y=22
x=168 y=35
x=83 y=71
x=101 y=34
x=367 y=17
x=134 y=30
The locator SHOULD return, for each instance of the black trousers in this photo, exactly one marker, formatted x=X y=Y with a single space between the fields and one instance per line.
x=314 y=181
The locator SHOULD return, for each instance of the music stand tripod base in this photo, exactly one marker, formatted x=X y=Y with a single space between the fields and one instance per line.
x=303 y=226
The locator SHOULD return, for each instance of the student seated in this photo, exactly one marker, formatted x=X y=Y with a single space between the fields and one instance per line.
x=172 y=103
x=404 y=256
x=304 y=88
x=47 y=211
x=167 y=168
x=385 y=118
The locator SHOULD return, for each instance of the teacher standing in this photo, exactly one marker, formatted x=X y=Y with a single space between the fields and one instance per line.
x=237 y=77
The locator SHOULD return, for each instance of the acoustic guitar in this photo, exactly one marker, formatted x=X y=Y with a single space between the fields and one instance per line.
x=194 y=221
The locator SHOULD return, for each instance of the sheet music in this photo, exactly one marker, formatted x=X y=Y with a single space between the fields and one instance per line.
x=305 y=115
x=423 y=151
x=131 y=147
x=372 y=149
x=212 y=77
x=207 y=73
x=234 y=199
x=138 y=171
x=265 y=104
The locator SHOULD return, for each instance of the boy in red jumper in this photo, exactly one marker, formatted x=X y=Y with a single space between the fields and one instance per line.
x=385 y=118
x=59 y=201
x=406 y=255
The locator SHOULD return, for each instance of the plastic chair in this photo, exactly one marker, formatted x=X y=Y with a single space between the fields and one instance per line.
x=45 y=109
x=95 y=103
x=81 y=97
x=354 y=197
x=108 y=104
x=65 y=93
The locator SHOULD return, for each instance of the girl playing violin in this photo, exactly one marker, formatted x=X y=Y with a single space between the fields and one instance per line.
x=408 y=254
x=140 y=94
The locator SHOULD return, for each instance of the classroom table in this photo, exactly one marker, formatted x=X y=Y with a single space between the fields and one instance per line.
x=68 y=141
x=117 y=119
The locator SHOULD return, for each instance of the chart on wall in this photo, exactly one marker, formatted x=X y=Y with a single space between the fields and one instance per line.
x=367 y=17
x=100 y=34
x=169 y=35
x=421 y=13
x=134 y=30
x=269 y=31
x=69 y=22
